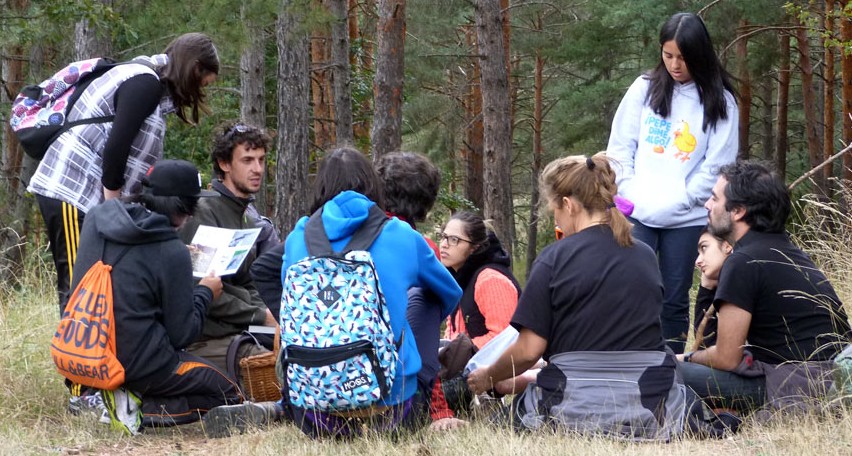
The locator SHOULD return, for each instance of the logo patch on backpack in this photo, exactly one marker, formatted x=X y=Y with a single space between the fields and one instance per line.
x=336 y=338
x=83 y=347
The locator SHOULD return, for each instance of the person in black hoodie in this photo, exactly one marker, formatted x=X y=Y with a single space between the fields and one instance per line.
x=157 y=310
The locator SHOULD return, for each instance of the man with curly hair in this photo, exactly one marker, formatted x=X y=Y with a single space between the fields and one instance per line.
x=238 y=156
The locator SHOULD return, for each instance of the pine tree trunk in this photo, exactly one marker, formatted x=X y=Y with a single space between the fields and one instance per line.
x=496 y=120
x=846 y=94
x=472 y=148
x=340 y=71
x=809 y=106
x=253 y=99
x=88 y=43
x=828 y=95
x=321 y=89
x=781 y=143
x=386 y=135
x=14 y=218
x=745 y=94
x=538 y=118
x=360 y=29
x=293 y=118
x=768 y=137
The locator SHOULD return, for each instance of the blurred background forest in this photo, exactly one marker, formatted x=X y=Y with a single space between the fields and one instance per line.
x=490 y=90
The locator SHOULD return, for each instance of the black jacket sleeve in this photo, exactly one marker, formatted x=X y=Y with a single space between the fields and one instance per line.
x=135 y=100
x=266 y=274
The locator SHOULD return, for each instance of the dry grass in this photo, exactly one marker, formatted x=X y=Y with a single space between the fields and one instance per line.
x=33 y=417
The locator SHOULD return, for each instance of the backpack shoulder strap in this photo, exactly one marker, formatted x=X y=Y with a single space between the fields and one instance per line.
x=317 y=241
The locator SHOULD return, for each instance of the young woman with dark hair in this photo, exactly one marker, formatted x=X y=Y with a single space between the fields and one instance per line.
x=482 y=268
x=92 y=163
x=675 y=127
x=591 y=309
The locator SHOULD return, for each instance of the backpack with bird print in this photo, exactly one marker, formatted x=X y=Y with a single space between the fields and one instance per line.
x=338 y=352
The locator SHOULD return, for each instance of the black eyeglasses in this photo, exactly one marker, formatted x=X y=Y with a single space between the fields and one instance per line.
x=452 y=240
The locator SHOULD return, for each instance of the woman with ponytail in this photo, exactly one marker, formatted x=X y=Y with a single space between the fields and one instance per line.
x=591 y=309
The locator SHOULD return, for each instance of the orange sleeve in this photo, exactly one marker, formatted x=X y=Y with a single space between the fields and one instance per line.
x=497 y=299
x=438 y=407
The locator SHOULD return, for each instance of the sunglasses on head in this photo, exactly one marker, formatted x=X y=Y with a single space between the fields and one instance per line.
x=238 y=128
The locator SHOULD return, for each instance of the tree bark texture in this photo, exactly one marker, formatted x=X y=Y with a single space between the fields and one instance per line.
x=293 y=118
x=321 y=90
x=745 y=94
x=253 y=99
x=846 y=94
x=340 y=71
x=472 y=147
x=809 y=106
x=88 y=43
x=386 y=135
x=768 y=138
x=828 y=94
x=781 y=143
x=496 y=120
x=538 y=151
x=14 y=222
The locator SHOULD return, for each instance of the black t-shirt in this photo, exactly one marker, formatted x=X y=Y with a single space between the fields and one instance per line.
x=587 y=293
x=795 y=313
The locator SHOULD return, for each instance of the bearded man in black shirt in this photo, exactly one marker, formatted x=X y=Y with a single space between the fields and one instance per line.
x=780 y=320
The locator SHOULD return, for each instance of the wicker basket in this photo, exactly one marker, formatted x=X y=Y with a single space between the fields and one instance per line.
x=259 y=378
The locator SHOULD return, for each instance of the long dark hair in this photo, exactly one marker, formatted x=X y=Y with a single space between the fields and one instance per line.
x=710 y=77
x=344 y=169
x=192 y=56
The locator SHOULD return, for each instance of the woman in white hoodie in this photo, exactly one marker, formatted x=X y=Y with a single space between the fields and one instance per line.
x=675 y=127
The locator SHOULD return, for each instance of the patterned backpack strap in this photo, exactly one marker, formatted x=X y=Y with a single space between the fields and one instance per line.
x=317 y=241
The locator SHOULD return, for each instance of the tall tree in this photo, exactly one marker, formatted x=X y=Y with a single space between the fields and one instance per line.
x=809 y=104
x=341 y=89
x=846 y=90
x=386 y=135
x=293 y=116
x=781 y=143
x=13 y=220
x=828 y=92
x=92 y=38
x=472 y=147
x=745 y=91
x=321 y=87
x=496 y=120
x=538 y=151
x=252 y=89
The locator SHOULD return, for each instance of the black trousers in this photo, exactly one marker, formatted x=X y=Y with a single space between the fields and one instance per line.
x=194 y=387
x=63 y=222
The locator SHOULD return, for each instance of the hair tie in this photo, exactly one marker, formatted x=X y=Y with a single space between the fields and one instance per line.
x=590 y=163
x=610 y=205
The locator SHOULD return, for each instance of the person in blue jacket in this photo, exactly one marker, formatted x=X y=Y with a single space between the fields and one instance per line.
x=346 y=187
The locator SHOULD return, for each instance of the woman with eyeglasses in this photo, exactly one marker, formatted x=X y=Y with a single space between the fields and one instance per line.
x=483 y=269
x=591 y=310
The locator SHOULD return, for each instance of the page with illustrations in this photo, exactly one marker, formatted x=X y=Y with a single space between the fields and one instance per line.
x=220 y=250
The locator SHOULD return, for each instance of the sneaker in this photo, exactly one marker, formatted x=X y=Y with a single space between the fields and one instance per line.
x=125 y=410
x=227 y=420
x=88 y=401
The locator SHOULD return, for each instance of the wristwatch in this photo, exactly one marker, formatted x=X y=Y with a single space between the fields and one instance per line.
x=687 y=357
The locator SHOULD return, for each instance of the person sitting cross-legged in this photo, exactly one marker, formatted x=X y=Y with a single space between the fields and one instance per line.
x=780 y=321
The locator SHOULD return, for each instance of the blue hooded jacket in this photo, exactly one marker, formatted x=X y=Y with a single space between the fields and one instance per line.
x=403 y=260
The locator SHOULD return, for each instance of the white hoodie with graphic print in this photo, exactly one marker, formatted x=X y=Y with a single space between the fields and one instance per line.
x=667 y=166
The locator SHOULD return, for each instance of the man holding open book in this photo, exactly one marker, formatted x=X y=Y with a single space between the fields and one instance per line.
x=238 y=156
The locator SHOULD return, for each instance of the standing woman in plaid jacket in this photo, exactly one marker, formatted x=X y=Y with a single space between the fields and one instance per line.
x=92 y=163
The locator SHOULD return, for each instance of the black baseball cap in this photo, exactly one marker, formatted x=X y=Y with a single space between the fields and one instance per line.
x=175 y=178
